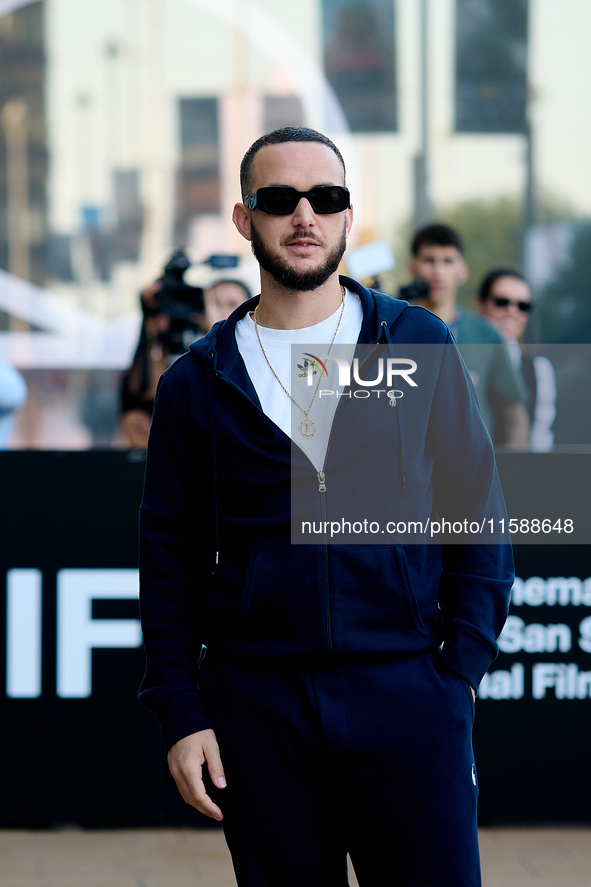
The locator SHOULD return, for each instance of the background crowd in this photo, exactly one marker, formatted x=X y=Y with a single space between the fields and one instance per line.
x=122 y=124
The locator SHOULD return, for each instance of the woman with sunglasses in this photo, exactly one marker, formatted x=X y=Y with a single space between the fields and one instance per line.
x=505 y=300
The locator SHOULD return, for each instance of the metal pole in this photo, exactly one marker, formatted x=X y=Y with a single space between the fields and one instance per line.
x=529 y=197
x=14 y=125
x=423 y=206
x=530 y=212
x=157 y=170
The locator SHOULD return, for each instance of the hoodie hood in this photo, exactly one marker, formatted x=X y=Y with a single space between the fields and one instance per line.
x=221 y=339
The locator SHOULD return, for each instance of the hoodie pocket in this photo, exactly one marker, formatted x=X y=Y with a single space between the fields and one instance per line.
x=411 y=601
x=281 y=608
x=373 y=606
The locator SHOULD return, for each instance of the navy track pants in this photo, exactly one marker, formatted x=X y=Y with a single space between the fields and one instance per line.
x=373 y=759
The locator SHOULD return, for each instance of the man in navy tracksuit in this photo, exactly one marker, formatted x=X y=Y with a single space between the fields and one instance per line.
x=334 y=703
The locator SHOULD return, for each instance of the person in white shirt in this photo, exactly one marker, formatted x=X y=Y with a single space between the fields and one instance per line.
x=505 y=300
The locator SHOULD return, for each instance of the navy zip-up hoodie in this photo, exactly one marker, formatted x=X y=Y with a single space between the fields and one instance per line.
x=221 y=565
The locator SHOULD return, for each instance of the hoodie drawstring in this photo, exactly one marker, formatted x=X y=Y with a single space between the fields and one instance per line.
x=210 y=371
x=384 y=325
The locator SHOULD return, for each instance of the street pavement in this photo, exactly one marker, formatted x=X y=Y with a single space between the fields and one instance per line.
x=517 y=857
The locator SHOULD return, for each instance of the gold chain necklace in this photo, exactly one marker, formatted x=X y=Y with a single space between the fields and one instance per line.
x=307 y=427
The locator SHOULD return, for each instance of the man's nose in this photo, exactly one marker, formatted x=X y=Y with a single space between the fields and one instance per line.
x=304 y=215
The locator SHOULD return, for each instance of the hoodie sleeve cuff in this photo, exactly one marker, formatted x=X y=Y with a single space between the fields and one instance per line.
x=467 y=654
x=180 y=715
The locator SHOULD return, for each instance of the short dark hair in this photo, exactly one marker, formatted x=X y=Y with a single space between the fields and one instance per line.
x=277 y=137
x=234 y=282
x=491 y=277
x=436 y=235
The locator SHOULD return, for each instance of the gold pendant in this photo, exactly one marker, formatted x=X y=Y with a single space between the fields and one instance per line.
x=307 y=428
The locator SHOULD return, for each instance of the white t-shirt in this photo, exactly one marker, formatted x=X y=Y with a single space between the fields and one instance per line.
x=291 y=353
x=541 y=436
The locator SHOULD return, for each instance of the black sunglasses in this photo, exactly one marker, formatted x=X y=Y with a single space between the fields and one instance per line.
x=504 y=302
x=280 y=200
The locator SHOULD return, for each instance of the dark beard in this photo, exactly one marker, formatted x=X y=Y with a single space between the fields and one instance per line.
x=298 y=281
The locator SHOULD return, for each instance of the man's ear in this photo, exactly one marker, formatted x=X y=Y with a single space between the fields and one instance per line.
x=348 y=220
x=412 y=268
x=241 y=218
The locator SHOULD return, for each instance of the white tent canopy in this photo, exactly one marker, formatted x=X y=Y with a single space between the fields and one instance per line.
x=72 y=337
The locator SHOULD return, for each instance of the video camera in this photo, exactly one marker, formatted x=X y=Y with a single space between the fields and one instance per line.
x=416 y=289
x=180 y=302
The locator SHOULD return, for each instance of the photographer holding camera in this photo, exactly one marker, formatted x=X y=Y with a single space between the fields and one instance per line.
x=174 y=315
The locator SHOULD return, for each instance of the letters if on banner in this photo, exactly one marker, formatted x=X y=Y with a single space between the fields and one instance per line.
x=78 y=634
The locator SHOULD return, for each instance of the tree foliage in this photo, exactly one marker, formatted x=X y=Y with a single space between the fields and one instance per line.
x=565 y=304
x=491 y=230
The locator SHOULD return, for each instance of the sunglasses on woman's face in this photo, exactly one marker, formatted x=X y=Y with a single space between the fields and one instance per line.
x=504 y=302
x=281 y=200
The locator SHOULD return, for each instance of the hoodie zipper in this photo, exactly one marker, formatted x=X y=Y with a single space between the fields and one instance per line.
x=321 y=477
x=327 y=616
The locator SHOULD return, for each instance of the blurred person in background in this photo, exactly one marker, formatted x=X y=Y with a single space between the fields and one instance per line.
x=505 y=300
x=13 y=393
x=139 y=384
x=222 y=298
x=438 y=259
x=158 y=348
